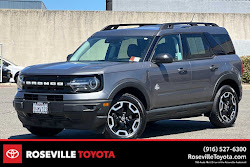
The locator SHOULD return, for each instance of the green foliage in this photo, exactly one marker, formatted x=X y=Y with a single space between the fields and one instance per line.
x=246 y=67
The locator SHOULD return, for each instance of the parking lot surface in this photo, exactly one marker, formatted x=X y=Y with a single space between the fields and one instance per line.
x=189 y=128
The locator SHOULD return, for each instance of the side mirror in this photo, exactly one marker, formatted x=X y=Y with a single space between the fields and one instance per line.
x=69 y=56
x=163 y=58
x=6 y=64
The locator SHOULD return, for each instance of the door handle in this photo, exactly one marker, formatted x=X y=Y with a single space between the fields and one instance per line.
x=182 y=71
x=213 y=68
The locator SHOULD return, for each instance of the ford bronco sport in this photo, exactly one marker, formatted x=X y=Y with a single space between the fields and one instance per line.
x=120 y=79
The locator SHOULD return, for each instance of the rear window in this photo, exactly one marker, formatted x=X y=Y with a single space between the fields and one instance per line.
x=225 y=42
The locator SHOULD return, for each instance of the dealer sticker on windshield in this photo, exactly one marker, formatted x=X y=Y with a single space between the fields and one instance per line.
x=136 y=59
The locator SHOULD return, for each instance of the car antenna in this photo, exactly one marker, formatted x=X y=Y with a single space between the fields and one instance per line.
x=192 y=18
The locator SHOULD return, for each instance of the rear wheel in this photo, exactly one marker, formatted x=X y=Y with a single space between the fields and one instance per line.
x=126 y=118
x=225 y=107
x=39 y=131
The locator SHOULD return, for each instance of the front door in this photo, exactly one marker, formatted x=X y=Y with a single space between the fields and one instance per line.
x=170 y=82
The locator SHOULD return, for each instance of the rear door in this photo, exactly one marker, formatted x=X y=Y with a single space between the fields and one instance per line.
x=204 y=66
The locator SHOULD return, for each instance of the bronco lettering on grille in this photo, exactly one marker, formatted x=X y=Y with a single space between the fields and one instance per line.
x=43 y=83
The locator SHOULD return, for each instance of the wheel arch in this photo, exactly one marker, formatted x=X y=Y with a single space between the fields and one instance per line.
x=132 y=88
x=230 y=80
x=16 y=75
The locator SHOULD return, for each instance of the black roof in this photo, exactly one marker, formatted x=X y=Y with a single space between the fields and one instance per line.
x=160 y=29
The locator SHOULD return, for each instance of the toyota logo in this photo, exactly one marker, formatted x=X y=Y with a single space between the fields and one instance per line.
x=12 y=153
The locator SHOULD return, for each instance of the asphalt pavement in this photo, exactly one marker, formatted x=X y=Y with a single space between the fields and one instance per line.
x=189 y=128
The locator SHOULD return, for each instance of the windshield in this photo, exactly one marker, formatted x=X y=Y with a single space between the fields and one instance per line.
x=113 y=49
x=7 y=62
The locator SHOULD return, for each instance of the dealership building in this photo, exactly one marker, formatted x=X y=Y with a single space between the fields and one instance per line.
x=190 y=6
x=22 y=4
x=185 y=6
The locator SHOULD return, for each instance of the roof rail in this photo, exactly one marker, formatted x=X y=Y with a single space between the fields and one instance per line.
x=171 y=25
x=116 y=26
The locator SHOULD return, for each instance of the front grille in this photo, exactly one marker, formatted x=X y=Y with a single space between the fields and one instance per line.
x=55 y=97
x=30 y=97
x=47 y=84
x=42 y=89
x=43 y=97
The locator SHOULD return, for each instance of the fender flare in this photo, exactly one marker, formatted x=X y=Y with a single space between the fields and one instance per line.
x=131 y=84
x=224 y=77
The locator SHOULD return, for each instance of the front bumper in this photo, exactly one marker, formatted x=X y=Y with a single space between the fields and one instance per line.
x=6 y=78
x=64 y=114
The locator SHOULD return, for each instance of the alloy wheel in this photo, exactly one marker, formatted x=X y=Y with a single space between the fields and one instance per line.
x=124 y=119
x=227 y=107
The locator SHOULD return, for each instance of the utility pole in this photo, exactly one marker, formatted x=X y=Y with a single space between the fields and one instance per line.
x=109 y=5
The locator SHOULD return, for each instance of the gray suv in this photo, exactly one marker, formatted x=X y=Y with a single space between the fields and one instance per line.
x=122 y=78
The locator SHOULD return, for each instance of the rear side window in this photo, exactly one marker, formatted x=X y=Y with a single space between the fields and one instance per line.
x=196 y=46
x=225 y=42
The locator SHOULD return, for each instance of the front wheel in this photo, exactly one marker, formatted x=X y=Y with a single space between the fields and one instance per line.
x=126 y=118
x=225 y=107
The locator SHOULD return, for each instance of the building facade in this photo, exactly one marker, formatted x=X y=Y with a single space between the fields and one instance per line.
x=185 y=6
x=22 y=4
x=230 y=7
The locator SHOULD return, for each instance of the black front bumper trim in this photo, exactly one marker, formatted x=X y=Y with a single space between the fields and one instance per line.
x=64 y=114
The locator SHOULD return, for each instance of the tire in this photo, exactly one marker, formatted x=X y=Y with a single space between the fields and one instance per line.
x=16 y=76
x=38 y=131
x=126 y=118
x=225 y=107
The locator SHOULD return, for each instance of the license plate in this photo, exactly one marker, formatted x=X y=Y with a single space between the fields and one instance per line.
x=40 y=108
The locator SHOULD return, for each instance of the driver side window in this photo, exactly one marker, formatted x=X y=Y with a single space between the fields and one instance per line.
x=170 y=44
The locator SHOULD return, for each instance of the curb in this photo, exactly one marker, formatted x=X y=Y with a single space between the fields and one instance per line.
x=246 y=86
x=5 y=85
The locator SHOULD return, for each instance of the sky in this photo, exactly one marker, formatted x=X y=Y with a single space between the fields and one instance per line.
x=75 y=4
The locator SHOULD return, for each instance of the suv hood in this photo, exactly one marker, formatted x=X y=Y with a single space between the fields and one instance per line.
x=70 y=68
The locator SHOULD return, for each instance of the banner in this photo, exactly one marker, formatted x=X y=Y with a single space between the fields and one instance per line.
x=177 y=152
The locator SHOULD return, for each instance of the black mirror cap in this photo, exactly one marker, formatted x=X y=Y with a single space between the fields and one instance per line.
x=69 y=57
x=163 y=58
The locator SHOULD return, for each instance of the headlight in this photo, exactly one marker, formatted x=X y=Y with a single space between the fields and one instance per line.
x=86 y=84
x=20 y=82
